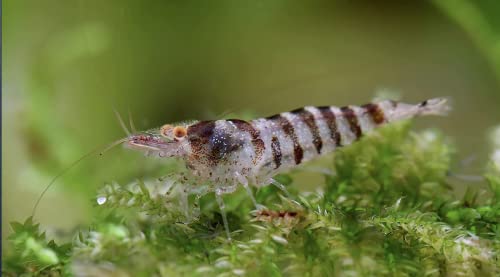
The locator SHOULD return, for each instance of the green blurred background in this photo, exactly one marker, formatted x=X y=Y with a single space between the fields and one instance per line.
x=67 y=64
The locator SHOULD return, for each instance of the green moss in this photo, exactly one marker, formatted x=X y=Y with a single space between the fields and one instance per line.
x=388 y=209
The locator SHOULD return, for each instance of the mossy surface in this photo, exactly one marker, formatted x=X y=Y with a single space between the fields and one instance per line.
x=387 y=209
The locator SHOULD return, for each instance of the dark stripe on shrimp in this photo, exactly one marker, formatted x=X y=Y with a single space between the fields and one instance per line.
x=257 y=142
x=199 y=135
x=329 y=117
x=309 y=120
x=298 y=152
x=276 y=149
x=375 y=112
x=211 y=144
x=224 y=142
x=351 y=117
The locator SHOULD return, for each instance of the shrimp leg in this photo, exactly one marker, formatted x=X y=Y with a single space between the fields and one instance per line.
x=219 y=191
x=280 y=186
x=244 y=182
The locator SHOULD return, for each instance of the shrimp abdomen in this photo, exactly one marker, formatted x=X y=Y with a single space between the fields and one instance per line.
x=294 y=137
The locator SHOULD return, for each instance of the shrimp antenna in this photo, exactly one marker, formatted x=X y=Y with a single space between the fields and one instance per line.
x=52 y=182
x=122 y=124
x=113 y=144
x=131 y=122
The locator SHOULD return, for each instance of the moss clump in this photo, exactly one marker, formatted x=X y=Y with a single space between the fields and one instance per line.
x=387 y=210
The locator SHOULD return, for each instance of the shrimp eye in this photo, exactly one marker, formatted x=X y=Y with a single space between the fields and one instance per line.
x=179 y=132
x=165 y=130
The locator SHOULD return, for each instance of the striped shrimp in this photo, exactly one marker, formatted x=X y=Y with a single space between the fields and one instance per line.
x=224 y=154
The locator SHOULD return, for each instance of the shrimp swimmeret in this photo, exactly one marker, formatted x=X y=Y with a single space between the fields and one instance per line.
x=226 y=153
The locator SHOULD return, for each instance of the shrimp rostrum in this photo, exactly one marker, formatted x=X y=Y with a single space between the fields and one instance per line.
x=225 y=154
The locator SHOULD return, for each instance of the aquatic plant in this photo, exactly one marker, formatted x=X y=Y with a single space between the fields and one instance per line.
x=387 y=208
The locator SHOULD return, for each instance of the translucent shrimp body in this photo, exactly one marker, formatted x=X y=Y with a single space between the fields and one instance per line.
x=228 y=153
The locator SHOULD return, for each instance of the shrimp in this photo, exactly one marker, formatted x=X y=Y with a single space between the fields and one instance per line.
x=225 y=154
